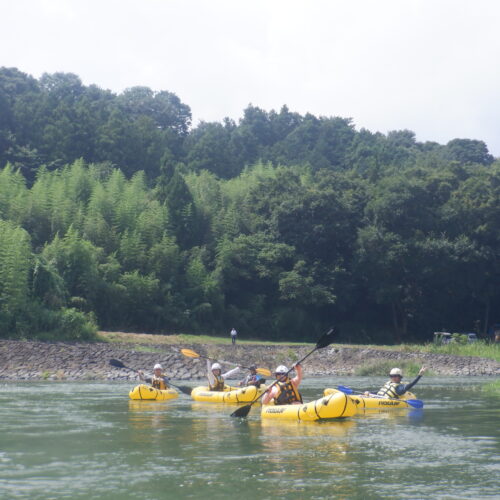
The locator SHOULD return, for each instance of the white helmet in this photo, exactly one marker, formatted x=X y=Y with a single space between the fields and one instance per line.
x=158 y=367
x=281 y=369
x=396 y=371
x=216 y=366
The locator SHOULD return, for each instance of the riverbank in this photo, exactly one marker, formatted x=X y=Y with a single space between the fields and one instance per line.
x=29 y=360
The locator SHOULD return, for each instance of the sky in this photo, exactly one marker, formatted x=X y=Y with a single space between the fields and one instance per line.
x=430 y=66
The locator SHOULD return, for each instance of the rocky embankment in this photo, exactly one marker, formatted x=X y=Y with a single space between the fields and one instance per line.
x=23 y=360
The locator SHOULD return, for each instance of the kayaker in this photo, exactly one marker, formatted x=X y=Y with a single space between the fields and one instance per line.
x=286 y=390
x=216 y=379
x=253 y=378
x=158 y=380
x=393 y=388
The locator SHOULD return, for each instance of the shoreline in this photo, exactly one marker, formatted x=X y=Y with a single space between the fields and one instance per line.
x=32 y=360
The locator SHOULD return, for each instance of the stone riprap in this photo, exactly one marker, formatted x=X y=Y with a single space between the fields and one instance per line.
x=23 y=360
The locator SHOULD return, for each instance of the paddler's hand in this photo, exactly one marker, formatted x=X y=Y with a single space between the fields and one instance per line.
x=422 y=371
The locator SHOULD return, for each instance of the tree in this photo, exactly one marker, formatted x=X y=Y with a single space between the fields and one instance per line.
x=15 y=263
x=182 y=212
x=467 y=151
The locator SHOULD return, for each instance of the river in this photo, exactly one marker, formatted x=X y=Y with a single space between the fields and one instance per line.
x=86 y=440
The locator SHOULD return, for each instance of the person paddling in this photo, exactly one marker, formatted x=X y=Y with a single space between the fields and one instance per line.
x=253 y=378
x=216 y=379
x=286 y=390
x=158 y=380
x=393 y=388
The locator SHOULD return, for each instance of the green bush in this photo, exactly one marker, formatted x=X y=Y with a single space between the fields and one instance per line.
x=76 y=325
x=459 y=338
x=63 y=324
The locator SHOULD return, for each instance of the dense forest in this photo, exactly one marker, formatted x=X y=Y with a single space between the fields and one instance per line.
x=116 y=212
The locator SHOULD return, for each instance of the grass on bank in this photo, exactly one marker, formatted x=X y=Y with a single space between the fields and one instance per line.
x=477 y=349
x=183 y=338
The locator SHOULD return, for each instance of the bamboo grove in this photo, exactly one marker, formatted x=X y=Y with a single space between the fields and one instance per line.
x=116 y=213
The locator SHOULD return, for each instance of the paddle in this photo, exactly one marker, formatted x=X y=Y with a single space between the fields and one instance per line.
x=324 y=341
x=193 y=354
x=118 y=364
x=415 y=403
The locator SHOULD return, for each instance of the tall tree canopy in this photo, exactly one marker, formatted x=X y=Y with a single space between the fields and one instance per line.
x=115 y=211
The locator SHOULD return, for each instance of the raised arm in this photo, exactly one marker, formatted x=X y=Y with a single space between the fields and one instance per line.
x=405 y=388
x=210 y=375
x=230 y=373
x=298 y=378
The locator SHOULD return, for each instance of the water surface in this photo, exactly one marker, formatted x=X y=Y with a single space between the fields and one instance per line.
x=88 y=441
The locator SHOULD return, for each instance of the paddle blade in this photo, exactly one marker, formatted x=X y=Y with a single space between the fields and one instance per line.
x=242 y=412
x=117 y=363
x=327 y=338
x=264 y=371
x=184 y=389
x=344 y=389
x=415 y=403
x=189 y=353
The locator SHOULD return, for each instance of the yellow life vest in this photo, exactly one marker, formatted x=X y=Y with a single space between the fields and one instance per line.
x=389 y=390
x=287 y=393
x=219 y=383
x=158 y=383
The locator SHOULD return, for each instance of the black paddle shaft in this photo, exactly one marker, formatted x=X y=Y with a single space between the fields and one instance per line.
x=118 y=364
x=324 y=341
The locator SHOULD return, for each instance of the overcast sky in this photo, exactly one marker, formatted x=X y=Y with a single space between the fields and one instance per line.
x=430 y=66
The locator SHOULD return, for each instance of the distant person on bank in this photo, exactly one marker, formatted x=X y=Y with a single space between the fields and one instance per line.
x=234 y=333
x=217 y=379
x=286 y=390
x=158 y=380
x=393 y=388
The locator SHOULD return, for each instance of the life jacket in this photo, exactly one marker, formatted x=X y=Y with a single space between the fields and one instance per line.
x=253 y=380
x=389 y=390
x=287 y=393
x=219 y=383
x=158 y=383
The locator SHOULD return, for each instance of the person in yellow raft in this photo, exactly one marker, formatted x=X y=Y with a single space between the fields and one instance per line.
x=158 y=380
x=393 y=388
x=253 y=378
x=217 y=379
x=286 y=390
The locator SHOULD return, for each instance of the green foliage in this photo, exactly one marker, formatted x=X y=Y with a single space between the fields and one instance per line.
x=459 y=338
x=479 y=349
x=279 y=224
x=15 y=263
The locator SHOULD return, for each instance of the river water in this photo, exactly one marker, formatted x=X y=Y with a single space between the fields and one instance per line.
x=86 y=440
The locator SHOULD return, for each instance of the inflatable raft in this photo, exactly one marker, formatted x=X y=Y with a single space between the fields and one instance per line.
x=335 y=405
x=372 y=402
x=229 y=395
x=146 y=392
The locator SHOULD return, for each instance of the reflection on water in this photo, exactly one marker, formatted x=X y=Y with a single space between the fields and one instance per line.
x=88 y=440
x=394 y=414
